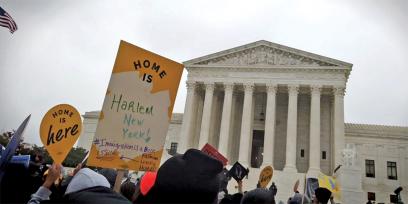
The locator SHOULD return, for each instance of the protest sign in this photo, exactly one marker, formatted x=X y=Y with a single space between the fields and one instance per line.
x=210 y=150
x=136 y=111
x=59 y=130
x=238 y=172
x=9 y=151
x=327 y=182
x=21 y=159
x=331 y=184
x=265 y=176
x=311 y=185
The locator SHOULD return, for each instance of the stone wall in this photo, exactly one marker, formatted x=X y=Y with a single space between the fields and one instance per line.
x=89 y=125
x=381 y=144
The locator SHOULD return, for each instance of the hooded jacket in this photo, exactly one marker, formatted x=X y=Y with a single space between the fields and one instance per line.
x=86 y=186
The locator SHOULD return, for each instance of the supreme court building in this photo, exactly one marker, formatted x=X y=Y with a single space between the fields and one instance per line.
x=267 y=104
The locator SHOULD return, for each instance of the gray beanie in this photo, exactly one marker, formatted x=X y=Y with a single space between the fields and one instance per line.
x=86 y=178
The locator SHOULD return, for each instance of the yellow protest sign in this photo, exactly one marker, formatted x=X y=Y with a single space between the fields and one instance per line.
x=265 y=176
x=136 y=111
x=330 y=183
x=59 y=130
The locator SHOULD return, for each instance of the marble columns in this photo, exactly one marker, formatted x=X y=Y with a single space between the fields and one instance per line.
x=290 y=164
x=269 y=139
x=205 y=122
x=226 y=119
x=244 y=144
x=188 y=118
x=314 y=145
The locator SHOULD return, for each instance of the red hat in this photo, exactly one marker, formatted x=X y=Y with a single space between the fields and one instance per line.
x=147 y=182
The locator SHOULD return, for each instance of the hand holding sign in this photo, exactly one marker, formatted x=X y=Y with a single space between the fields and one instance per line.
x=59 y=130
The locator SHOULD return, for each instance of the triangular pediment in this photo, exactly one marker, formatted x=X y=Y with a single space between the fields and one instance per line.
x=265 y=53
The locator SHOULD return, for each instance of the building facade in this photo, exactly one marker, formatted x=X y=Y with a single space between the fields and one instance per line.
x=267 y=104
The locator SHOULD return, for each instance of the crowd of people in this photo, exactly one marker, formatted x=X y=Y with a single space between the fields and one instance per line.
x=192 y=177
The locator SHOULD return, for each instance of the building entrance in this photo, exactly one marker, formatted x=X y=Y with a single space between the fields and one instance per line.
x=257 y=148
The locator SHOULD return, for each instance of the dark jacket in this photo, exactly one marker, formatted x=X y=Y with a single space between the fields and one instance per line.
x=97 y=195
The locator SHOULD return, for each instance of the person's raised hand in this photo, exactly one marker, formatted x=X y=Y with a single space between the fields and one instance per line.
x=54 y=173
x=239 y=186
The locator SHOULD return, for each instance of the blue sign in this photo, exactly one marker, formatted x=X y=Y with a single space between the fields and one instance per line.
x=12 y=146
x=21 y=159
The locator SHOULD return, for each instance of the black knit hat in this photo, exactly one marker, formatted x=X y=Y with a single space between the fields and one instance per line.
x=188 y=178
x=259 y=196
x=322 y=195
x=110 y=175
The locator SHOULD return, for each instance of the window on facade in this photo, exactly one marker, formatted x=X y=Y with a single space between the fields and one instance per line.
x=173 y=148
x=392 y=170
x=393 y=198
x=370 y=168
x=324 y=155
x=371 y=196
x=302 y=153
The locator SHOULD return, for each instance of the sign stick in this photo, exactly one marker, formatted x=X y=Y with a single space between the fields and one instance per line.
x=118 y=181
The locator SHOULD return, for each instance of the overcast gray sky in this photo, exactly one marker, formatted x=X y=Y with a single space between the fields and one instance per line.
x=63 y=51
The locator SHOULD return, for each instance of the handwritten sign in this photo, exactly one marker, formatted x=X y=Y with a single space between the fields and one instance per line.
x=59 y=130
x=210 y=150
x=265 y=176
x=136 y=111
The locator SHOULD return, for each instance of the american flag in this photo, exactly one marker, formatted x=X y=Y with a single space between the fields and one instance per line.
x=7 y=21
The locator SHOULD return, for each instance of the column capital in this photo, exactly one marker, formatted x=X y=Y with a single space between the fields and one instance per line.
x=209 y=86
x=248 y=87
x=228 y=86
x=191 y=85
x=271 y=88
x=339 y=91
x=315 y=89
x=292 y=88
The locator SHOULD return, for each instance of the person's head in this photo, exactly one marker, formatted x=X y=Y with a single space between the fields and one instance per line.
x=39 y=158
x=273 y=189
x=295 y=199
x=322 y=195
x=86 y=178
x=36 y=156
x=128 y=189
x=258 y=195
x=88 y=186
x=110 y=175
x=188 y=178
x=233 y=199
